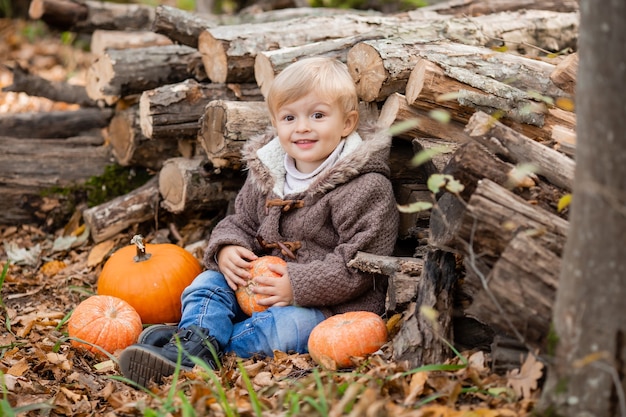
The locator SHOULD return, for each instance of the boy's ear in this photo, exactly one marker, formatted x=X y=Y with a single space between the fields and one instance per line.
x=350 y=122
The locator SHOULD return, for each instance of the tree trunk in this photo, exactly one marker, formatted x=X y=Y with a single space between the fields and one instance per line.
x=587 y=375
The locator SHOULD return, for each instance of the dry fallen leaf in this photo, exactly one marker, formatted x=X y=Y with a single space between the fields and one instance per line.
x=524 y=380
x=99 y=252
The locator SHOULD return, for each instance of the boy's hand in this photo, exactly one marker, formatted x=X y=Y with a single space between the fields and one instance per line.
x=234 y=262
x=278 y=290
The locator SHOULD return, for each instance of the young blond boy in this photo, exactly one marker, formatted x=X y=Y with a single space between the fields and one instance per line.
x=317 y=191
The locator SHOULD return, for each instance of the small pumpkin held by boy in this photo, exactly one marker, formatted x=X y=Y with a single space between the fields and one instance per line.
x=317 y=192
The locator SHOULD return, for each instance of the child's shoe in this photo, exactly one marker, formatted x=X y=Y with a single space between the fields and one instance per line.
x=157 y=335
x=145 y=363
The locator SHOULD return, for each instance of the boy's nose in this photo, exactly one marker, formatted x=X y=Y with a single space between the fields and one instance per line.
x=303 y=125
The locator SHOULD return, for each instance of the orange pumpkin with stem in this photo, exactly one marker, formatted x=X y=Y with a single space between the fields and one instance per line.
x=335 y=341
x=247 y=299
x=104 y=321
x=151 y=278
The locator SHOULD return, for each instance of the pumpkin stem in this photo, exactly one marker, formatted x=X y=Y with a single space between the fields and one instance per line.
x=141 y=249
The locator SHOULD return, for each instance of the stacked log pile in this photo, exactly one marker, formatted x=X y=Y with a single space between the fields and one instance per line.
x=495 y=88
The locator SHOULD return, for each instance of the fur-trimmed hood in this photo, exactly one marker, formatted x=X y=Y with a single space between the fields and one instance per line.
x=365 y=150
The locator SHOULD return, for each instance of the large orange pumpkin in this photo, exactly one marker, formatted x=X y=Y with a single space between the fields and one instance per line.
x=247 y=299
x=151 y=278
x=333 y=342
x=105 y=321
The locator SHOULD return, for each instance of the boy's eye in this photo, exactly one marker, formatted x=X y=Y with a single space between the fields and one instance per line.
x=288 y=118
x=318 y=115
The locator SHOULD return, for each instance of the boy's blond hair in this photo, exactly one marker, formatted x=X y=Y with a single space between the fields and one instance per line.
x=328 y=77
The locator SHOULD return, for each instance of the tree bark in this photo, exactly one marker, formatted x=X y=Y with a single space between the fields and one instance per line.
x=517 y=296
x=420 y=340
x=173 y=111
x=182 y=26
x=403 y=273
x=586 y=377
x=525 y=32
x=429 y=88
x=120 y=73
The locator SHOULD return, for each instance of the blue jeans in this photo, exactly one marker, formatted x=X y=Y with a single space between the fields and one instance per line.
x=211 y=304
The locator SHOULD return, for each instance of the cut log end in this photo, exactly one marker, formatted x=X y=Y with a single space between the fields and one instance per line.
x=263 y=73
x=416 y=81
x=172 y=188
x=389 y=111
x=99 y=76
x=367 y=70
x=214 y=57
x=215 y=116
x=120 y=136
x=145 y=116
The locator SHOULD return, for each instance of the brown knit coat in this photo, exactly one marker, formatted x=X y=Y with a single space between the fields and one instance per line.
x=349 y=207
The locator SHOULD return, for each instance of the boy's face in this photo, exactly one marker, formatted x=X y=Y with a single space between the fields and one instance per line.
x=310 y=128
